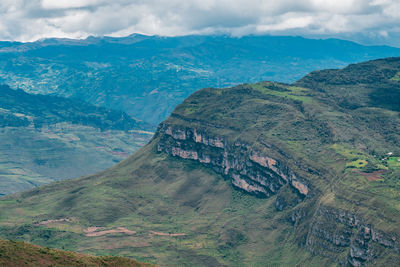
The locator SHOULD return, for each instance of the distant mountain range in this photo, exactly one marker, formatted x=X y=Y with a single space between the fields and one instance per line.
x=45 y=138
x=264 y=174
x=19 y=108
x=147 y=76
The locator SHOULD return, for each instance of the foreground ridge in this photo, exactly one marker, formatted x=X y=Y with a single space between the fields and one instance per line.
x=17 y=253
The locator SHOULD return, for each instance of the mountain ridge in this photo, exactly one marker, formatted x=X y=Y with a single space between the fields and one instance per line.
x=147 y=76
x=22 y=254
x=62 y=109
x=317 y=178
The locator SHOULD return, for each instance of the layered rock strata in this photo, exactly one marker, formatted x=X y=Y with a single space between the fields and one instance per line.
x=249 y=170
x=332 y=232
x=336 y=232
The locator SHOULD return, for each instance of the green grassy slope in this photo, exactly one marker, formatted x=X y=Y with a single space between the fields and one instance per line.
x=313 y=131
x=184 y=213
x=23 y=254
x=149 y=193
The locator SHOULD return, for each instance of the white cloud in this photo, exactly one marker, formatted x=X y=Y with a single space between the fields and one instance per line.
x=65 y=4
x=28 y=20
x=288 y=21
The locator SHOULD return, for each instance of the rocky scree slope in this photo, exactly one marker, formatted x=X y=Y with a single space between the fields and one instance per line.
x=258 y=174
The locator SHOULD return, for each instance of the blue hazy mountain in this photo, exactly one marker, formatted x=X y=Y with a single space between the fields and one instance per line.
x=147 y=76
x=47 y=138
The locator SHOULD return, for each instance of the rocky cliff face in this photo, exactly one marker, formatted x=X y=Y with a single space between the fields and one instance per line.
x=346 y=238
x=248 y=169
x=331 y=232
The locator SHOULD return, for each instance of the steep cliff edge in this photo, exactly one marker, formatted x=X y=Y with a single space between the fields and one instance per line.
x=248 y=170
x=335 y=157
x=332 y=231
x=259 y=174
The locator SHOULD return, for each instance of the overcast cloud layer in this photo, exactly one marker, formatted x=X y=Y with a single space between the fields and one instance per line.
x=373 y=21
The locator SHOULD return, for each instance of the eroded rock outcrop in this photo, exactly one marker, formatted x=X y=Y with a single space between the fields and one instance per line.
x=249 y=170
x=334 y=232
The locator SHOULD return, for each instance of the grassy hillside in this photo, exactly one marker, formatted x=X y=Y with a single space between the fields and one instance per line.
x=47 y=138
x=328 y=170
x=24 y=254
x=183 y=215
x=147 y=76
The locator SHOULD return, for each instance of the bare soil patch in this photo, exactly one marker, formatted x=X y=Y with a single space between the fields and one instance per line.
x=94 y=231
x=372 y=176
x=167 y=234
x=52 y=221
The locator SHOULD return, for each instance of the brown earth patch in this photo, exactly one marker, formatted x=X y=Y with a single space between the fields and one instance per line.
x=372 y=176
x=166 y=234
x=52 y=221
x=93 y=231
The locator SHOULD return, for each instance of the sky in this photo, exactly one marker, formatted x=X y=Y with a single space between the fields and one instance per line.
x=365 y=21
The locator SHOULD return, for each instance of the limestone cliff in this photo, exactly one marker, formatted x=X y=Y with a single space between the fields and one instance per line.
x=248 y=169
x=334 y=231
x=329 y=231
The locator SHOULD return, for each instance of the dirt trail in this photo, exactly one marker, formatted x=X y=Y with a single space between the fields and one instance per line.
x=167 y=234
x=93 y=231
x=52 y=221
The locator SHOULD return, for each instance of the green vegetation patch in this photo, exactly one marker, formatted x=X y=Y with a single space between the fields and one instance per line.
x=394 y=162
x=293 y=92
x=396 y=77
x=359 y=160
x=348 y=153
x=191 y=109
x=358 y=164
